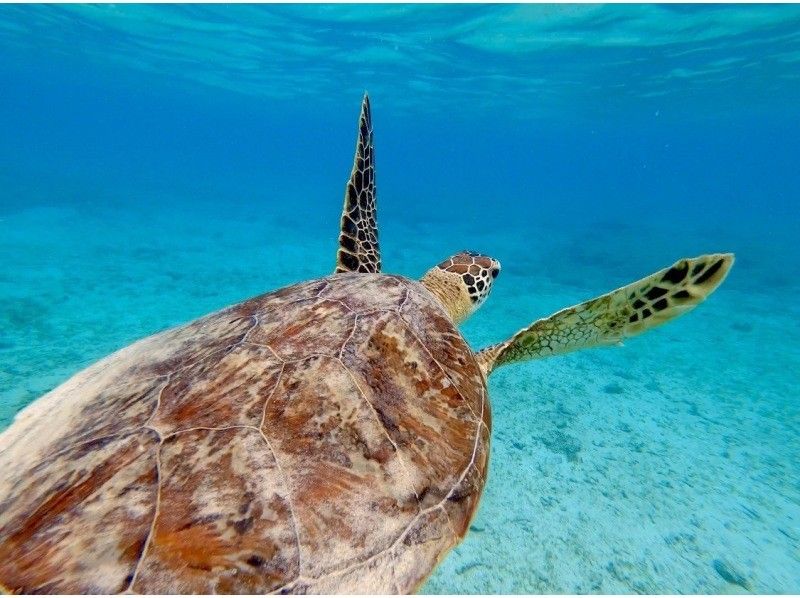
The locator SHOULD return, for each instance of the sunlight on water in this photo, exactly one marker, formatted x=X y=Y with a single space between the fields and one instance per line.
x=480 y=56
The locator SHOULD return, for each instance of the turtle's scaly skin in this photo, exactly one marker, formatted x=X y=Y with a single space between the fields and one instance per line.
x=328 y=437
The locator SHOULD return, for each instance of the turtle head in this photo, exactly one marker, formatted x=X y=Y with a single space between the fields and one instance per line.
x=462 y=282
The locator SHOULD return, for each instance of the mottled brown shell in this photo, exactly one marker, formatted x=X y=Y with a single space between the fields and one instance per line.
x=329 y=437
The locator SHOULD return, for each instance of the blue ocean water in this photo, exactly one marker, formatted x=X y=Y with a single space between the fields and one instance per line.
x=159 y=162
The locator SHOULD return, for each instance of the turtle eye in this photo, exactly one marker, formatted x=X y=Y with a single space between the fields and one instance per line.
x=495 y=272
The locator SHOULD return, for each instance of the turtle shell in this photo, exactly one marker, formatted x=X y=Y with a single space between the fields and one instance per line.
x=329 y=437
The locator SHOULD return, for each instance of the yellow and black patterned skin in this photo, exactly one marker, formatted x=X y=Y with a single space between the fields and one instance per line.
x=621 y=314
x=329 y=437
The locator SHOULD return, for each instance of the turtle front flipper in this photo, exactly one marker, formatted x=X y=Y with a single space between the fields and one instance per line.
x=610 y=318
x=358 y=239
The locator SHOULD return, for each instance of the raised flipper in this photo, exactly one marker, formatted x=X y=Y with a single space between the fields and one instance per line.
x=617 y=315
x=358 y=239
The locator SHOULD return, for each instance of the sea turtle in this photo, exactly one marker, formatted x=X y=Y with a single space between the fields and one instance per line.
x=331 y=436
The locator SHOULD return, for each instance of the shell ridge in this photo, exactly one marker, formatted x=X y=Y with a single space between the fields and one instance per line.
x=146 y=546
x=481 y=423
x=342 y=303
x=228 y=349
x=319 y=294
x=400 y=458
x=405 y=532
x=361 y=393
x=347 y=340
x=439 y=365
x=279 y=466
x=241 y=341
x=308 y=357
x=406 y=297
x=148 y=423
x=274 y=389
x=288 y=502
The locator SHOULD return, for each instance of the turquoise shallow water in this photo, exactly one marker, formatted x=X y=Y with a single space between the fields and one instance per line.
x=158 y=163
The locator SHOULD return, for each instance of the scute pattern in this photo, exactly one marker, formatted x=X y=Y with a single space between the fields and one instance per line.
x=292 y=332
x=349 y=487
x=329 y=437
x=369 y=298
x=224 y=520
x=87 y=508
x=114 y=411
x=390 y=363
x=230 y=390
x=118 y=393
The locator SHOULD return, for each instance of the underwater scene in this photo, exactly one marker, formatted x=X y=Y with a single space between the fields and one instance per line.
x=161 y=162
